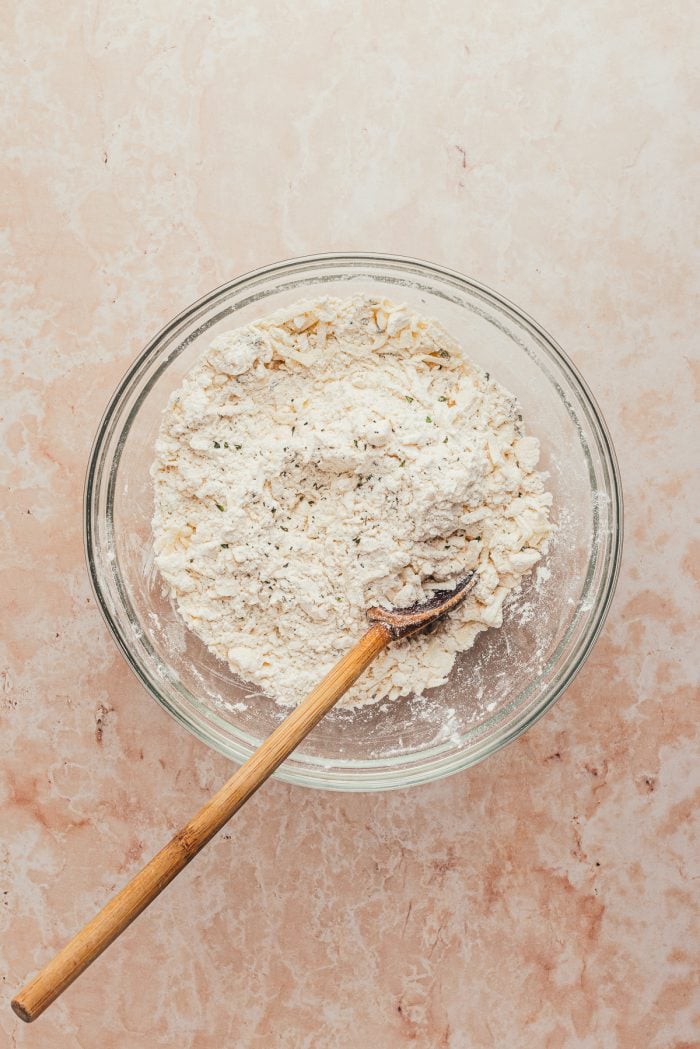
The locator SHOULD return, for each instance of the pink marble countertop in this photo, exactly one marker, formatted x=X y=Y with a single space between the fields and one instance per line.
x=544 y=899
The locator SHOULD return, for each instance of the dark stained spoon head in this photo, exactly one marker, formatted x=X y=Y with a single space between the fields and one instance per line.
x=402 y=622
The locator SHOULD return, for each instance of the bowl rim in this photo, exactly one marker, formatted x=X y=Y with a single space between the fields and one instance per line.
x=351 y=775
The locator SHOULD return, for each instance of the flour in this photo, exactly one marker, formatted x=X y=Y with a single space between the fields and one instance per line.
x=331 y=456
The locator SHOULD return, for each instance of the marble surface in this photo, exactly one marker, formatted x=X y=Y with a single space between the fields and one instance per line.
x=545 y=899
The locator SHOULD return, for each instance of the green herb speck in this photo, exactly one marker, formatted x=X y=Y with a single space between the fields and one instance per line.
x=442 y=398
x=220 y=507
x=409 y=399
x=216 y=444
x=445 y=441
x=428 y=419
x=238 y=447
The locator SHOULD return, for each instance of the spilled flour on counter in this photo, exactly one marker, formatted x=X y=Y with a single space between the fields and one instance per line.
x=331 y=456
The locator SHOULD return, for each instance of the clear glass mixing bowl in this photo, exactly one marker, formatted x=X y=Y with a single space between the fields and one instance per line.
x=498 y=688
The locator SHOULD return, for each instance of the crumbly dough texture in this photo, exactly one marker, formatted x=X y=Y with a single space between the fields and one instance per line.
x=334 y=455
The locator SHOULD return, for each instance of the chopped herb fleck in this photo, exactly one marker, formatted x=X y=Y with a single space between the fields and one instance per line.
x=216 y=444
x=283 y=528
x=356 y=540
x=409 y=399
x=220 y=507
x=355 y=443
x=428 y=419
x=442 y=398
x=444 y=353
x=402 y=463
x=238 y=447
x=273 y=510
x=224 y=546
x=445 y=441
x=225 y=444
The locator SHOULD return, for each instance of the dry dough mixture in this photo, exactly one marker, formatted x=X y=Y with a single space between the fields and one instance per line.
x=334 y=455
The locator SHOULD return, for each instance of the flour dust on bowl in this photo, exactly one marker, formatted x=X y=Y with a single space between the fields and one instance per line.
x=497 y=688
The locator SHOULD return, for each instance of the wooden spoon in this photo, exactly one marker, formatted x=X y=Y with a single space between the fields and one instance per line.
x=387 y=625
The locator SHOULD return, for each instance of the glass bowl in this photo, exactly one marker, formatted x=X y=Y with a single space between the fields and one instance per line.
x=499 y=687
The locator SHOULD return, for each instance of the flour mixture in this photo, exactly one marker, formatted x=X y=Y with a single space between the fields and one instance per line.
x=331 y=456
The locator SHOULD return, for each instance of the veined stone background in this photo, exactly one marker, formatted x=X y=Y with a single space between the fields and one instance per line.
x=547 y=898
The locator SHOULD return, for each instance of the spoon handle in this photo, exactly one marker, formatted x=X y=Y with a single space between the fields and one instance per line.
x=143 y=888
